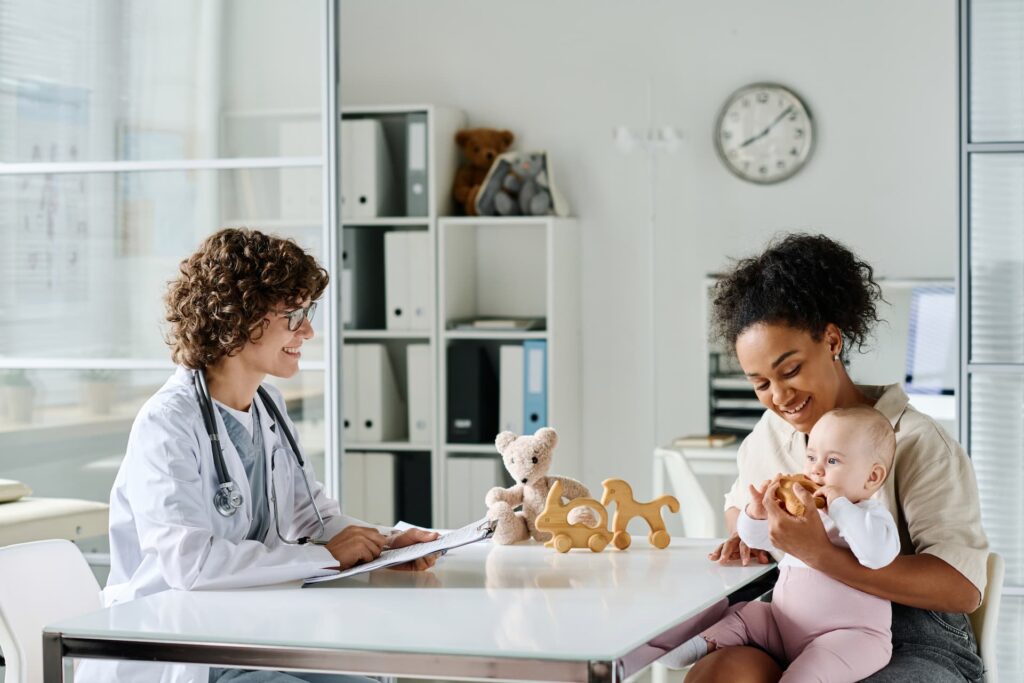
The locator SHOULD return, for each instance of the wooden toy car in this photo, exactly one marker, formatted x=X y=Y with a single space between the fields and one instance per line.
x=554 y=519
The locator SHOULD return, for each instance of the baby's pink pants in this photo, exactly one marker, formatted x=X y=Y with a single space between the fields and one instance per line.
x=824 y=629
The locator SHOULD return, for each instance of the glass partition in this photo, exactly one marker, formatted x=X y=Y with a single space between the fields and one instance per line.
x=85 y=258
x=997 y=258
x=140 y=80
x=997 y=71
x=137 y=128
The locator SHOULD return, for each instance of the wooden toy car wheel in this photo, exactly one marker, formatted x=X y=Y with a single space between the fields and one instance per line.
x=659 y=539
x=563 y=543
x=597 y=543
x=622 y=540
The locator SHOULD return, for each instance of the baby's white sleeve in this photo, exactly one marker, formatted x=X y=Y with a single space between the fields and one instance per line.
x=754 y=532
x=869 y=529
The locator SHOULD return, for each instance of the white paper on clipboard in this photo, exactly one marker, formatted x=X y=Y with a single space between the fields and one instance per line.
x=471 y=533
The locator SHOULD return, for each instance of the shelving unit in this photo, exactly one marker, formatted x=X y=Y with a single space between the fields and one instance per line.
x=415 y=463
x=510 y=267
x=733 y=406
x=500 y=267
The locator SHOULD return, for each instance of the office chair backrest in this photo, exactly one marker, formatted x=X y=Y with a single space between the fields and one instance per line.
x=984 y=620
x=40 y=583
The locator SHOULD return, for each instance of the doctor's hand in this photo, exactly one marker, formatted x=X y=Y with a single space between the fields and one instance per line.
x=410 y=537
x=356 y=544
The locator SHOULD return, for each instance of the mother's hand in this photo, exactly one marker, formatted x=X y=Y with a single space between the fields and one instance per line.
x=734 y=549
x=802 y=536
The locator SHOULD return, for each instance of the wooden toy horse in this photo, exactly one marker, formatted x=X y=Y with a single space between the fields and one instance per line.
x=626 y=508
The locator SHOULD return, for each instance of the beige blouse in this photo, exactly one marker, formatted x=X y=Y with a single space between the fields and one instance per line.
x=931 y=493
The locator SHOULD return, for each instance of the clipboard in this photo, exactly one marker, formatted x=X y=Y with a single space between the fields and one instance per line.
x=471 y=533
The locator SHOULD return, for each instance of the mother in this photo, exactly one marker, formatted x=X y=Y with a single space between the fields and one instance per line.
x=792 y=314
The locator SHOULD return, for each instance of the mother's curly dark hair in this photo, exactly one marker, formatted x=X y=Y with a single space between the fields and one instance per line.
x=805 y=281
x=226 y=288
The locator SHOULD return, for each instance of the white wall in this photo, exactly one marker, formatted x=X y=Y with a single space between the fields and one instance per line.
x=880 y=79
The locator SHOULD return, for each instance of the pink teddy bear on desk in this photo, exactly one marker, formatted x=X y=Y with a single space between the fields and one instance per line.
x=528 y=459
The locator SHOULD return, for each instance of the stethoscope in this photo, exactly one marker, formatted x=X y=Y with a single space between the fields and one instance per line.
x=227 y=499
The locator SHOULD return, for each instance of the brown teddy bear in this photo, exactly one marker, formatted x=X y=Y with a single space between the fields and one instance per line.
x=480 y=147
x=527 y=459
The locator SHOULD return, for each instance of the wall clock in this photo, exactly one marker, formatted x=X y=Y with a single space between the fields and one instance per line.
x=764 y=133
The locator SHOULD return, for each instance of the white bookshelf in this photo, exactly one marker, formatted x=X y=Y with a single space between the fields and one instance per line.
x=512 y=267
x=526 y=266
x=442 y=124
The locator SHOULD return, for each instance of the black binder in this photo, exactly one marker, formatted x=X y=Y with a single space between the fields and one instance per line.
x=362 y=285
x=472 y=394
x=414 y=489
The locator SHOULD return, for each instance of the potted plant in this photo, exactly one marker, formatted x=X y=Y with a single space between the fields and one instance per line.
x=98 y=388
x=18 y=395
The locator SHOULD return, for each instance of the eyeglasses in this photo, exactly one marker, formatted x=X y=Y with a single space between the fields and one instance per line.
x=296 y=317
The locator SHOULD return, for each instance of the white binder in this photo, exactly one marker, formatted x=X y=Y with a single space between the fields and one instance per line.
x=407 y=280
x=457 y=508
x=396 y=280
x=484 y=475
x=353 y=485
x=420 y=296
x=510 y=389
x=381 y=413
x=469 y=479
x=349 y=391
x=418 y=391
x=380 y=488
x=367 y=164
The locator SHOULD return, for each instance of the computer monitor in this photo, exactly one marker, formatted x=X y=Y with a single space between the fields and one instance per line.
x=932 y=349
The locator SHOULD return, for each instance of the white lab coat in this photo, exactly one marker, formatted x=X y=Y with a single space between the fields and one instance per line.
x=166 y=534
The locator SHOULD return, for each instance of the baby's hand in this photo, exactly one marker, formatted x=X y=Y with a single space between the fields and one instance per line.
x=829 y=493
x=755 y=508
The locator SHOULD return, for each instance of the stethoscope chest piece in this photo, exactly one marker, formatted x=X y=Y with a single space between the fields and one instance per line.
x=227 y=499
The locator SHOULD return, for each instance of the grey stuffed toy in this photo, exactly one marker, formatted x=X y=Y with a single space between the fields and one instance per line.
x=524 y=189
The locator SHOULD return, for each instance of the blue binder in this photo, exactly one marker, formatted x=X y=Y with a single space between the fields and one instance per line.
x=535 y=383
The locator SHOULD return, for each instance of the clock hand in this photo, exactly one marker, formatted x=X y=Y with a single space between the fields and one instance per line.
x=768 y=128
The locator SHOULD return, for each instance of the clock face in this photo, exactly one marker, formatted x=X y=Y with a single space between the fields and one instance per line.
x=764 y=133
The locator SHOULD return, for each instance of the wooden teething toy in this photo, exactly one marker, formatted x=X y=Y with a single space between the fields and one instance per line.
x=554 y=519
x=627 y=507
x=787 y=496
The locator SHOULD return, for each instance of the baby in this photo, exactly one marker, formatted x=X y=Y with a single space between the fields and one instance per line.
x=823 y=629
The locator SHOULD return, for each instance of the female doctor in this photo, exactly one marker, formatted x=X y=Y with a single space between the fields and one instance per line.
x=183 y=518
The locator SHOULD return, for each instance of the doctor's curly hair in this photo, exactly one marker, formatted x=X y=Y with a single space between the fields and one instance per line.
x=223 y=292
x=805 y=281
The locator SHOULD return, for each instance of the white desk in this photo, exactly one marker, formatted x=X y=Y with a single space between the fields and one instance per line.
x=485 y=611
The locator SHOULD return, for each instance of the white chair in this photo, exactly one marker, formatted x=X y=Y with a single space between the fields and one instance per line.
x=984 y=620
x=40 y=583
x=697 y=511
